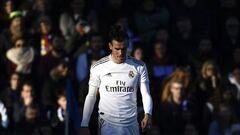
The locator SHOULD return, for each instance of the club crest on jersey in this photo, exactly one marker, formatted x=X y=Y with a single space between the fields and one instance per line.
x=130 y=74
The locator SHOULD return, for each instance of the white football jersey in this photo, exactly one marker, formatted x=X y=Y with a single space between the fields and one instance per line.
x=118 y=85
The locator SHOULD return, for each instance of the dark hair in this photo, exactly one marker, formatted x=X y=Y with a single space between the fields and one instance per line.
x=61 y=92
x=59 y=46
x=135 y=48
x=14 y=73
x=64 y=61
x=117 y=33
x=45 y=19
x=93 y=34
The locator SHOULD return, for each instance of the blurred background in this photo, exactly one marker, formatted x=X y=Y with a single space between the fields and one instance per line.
x=191 y=49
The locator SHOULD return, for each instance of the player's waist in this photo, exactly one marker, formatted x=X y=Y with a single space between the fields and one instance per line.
x=119 y=120
x=119 y=109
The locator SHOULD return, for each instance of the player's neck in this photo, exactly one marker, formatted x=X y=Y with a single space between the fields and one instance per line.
x=114 y=60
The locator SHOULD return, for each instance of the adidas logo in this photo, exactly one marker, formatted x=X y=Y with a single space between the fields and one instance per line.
x=109 y=75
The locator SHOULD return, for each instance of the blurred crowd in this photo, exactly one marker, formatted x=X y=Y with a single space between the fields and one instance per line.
x=191 y=49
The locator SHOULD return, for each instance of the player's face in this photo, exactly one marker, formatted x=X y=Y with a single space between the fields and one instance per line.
x=119 y=50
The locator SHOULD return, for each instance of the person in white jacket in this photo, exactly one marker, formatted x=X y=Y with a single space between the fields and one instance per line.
x=22 y=56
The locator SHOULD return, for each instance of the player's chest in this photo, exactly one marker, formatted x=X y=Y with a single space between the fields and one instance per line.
x=124 y=77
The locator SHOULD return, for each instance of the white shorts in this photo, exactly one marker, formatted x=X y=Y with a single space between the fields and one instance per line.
x=106 y=128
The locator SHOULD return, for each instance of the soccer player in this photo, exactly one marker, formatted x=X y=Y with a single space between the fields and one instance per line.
x=117 y=78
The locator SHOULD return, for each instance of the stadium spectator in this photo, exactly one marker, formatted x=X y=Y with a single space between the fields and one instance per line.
x=175 y=109
x=85 y=60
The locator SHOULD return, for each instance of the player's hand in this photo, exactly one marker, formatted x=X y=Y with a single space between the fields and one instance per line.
x=85 y=131
x=146 y=122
